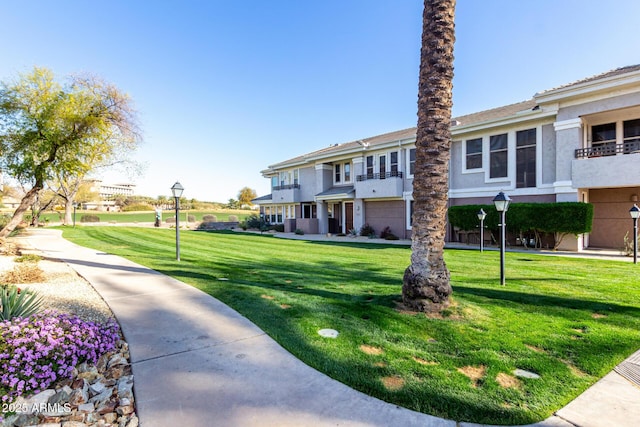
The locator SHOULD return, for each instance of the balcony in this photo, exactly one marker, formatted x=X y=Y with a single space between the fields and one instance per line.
x=607 y=165
x=378 y=185
x=609 y=149
x=289 y=193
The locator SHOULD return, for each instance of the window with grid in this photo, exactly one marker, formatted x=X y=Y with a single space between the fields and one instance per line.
x=474 y=153
x=498 y=156
x=526 y=158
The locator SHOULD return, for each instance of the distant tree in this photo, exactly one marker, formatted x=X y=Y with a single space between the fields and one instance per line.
x=47 y=129
x=232 y=204
x=246 y=195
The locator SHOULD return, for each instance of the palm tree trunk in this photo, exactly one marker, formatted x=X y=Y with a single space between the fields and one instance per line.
x=426 y=281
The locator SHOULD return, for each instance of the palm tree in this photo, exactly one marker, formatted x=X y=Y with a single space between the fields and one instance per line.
x=426 y=281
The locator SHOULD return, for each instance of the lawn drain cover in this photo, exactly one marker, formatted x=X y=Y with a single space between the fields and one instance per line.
x=328 y=333
x=525 y=374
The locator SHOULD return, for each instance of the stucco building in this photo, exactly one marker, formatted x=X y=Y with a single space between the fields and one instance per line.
x=579 y=142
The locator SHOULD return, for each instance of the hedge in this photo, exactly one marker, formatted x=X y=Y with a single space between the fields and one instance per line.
x=559 y=219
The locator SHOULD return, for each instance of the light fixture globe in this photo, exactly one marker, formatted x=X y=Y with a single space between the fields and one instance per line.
x=481 y=214
x=501 y=201
x=177 y=190
x=634 y=212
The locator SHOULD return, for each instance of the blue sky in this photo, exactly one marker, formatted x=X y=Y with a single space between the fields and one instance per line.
x=226 y=88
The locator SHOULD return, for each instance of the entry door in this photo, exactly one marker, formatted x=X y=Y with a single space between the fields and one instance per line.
x=348 y=215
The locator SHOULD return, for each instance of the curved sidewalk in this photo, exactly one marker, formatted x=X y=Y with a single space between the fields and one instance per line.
x=197 y=362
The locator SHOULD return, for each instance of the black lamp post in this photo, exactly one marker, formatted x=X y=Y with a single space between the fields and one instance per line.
x=177 y=190
x=635 y=213
x=481 y=216
x=502 y=205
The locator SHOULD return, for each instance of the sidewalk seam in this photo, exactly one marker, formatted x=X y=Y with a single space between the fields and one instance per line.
x=197 y=349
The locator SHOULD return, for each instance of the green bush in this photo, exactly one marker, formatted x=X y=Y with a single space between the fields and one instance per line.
x=367 y=230
x=558 y=219
x=209 y=218
x=278 y=227
x=299 y=232
x=191 y=218
x=16 y=302
x=137 y=207
x=233 y=218
x=388 y=235
x=4 y=220
x=89 y=218
x=170 y=220
x=28 y=258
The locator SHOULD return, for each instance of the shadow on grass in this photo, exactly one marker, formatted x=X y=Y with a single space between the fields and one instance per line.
x=545 y=300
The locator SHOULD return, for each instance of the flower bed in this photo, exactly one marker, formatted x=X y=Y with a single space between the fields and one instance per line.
x=38 y=350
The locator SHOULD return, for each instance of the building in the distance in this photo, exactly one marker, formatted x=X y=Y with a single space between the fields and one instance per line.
x=579 y=142
x=107 y=194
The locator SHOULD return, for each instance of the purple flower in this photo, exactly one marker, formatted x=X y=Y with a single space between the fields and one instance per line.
x=37 y=350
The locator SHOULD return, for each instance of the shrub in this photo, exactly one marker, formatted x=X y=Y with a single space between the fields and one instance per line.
x=170 y=220
x=4 y=220
x=136 y=207
x=367 y=230
x=16 y=302
x=233 y=218
x=299 y=232
x=209 y=218
x=38 y=350
x=28 y=258
x=278 y=227
x=89 y=218
x=353 y=232
x=558 y=219
x=191 y=218
x=24 y=273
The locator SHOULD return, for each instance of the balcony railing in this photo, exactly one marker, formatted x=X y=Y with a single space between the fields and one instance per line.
x=286 y=187
x=379 y=176
x=610 y=149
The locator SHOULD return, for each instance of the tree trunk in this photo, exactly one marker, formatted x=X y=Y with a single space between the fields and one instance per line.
x=25 y=204
x=68 y=212
x=426 y=281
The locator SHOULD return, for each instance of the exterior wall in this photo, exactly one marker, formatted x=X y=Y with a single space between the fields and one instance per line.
x=308 y=225
x=610 y=103
x=308 y=184
x=611 y=219
x=610 y=171
x=548 y=155
x=383 y=214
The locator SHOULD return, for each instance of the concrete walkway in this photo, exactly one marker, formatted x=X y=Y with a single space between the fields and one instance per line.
x=197 y=362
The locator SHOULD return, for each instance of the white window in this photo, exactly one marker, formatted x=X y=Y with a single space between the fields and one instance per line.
x=498 y=156
x=342 y=173
x=473 y=155
x=370 y=167
x=411 y=161
x=393 y=163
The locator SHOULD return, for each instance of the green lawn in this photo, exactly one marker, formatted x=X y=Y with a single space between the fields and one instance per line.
x=569 y=320
x=149 y=216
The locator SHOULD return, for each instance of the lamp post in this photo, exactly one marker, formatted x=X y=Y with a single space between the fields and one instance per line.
x=481 y=216
x=635 y=213
x=177 y=190
x=501 y=201
x=75 y=205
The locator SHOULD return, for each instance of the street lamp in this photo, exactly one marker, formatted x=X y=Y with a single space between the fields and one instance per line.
x=75 y=205
x=502 y=205
x=481 y=216
x=635 y=213
x=177 y=190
